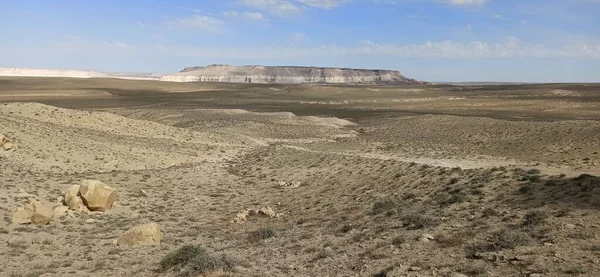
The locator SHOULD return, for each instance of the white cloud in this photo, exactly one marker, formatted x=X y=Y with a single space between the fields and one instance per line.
x=246 y=15
x=200 y=22
x=231 y=13
x=323 y=4
x=254 y=16
x=511 y=47
x=279 y=7
x=498 y=16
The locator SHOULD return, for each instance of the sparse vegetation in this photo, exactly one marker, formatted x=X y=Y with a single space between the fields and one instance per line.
x=526 y=189
x=475 y=269
x=508 y=239
x=418 y=221
x=399 y=240
x=534 y=218
x=386 y=207
x=575 y=271
x=454 y=198
x=489 y=212
x=191 y=260
x=261 y=234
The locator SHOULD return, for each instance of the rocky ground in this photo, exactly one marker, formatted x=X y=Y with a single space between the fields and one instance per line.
x=431 y=185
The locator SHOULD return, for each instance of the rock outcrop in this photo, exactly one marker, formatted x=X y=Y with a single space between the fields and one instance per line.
x=288 y=75
x=146 y=234
x=73 y=199
x=97 y=196
x=33 y=212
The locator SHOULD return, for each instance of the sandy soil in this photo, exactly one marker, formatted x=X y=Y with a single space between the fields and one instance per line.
x=455 y=180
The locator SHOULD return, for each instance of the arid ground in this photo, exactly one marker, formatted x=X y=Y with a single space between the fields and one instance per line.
x=434 y=180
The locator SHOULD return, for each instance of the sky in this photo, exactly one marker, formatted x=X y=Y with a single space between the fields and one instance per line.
x=433 y=40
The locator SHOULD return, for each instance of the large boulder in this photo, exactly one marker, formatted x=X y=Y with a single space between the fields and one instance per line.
x=73 y=200
x=97 y=196
x=33 y=212
x=145 y=234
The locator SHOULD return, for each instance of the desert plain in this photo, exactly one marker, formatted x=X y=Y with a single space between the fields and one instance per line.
x=414 y=180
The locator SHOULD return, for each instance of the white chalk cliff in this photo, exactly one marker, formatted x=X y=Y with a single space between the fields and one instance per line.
x=35 y=72
x=287 y=75
x=71 y=73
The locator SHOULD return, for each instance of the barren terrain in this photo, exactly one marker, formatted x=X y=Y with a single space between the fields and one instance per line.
x=433 y=180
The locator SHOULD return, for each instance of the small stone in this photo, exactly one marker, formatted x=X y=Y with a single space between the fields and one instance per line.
x=8 y=146
x=426 y=237
x=90 y=221
x=23 y=194
x=569 y=226
x=547 y=244
x=16 y=241
x=414 y=268
x=267 y=211
x=457 y=274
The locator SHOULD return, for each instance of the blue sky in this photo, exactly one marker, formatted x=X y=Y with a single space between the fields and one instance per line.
x=435 y=40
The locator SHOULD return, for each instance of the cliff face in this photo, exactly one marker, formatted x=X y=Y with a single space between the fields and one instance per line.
x=287 y=75
x=35 y=72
